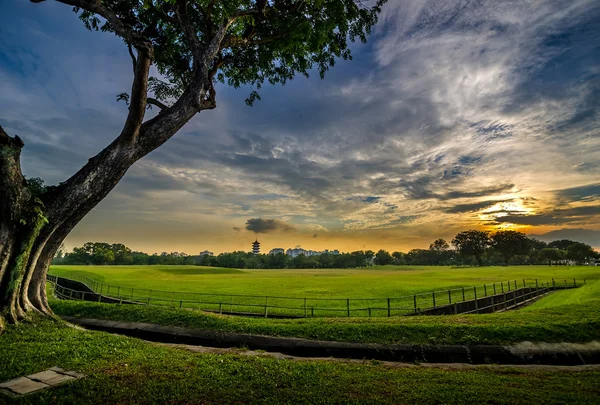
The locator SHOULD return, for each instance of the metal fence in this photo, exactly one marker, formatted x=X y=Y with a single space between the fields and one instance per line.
x=279 y=306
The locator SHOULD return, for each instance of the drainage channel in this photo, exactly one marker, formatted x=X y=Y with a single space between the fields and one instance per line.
x=543 y=354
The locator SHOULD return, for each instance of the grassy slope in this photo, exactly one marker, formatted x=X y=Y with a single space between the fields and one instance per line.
x=124 y=370
x=569 y=316
x=378 y=282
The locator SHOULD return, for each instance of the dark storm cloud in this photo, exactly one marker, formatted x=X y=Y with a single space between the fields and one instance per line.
x=588 y=192
x=264 y=225
x=463 y=208
x=555 y=217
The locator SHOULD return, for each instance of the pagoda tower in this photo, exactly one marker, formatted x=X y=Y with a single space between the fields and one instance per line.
x=256 y=247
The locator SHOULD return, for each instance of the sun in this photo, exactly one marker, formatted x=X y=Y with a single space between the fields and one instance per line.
x=503 y=209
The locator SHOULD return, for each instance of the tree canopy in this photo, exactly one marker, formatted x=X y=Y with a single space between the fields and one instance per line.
x=239 y=42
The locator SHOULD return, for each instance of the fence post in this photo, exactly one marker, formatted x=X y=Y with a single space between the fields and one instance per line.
x=266 y=305
x=348 y=306
x=415 y=302
x=494 y=288
x=83 y=296
x=433 y=294
x=449 y=297
x=508 y=284
x=369 y=312
x=389 y=314
x=515 y=284
x=305 y=307
x=523 y=283
x=537 y=294
x=484 y=290
x=554 y=284
x=565 y=284
x=180 y=304
x=220 y=307
x=463 y=291
x=574 y=283
x=476 y=303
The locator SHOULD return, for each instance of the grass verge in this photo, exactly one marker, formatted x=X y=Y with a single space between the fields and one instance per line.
x=125 y=370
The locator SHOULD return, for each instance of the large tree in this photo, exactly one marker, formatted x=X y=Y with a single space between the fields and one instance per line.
x=510 y=244
x=472 y=243
x=194 y=44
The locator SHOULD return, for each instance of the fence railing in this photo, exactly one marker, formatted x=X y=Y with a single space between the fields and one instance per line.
x=280 y=306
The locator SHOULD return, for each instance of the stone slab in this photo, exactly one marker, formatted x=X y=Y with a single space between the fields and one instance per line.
x=71 y=373
x=50 y=377
x=23 y=385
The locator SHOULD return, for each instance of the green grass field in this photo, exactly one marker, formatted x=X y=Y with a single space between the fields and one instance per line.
x=326 y=290
x=562 y=316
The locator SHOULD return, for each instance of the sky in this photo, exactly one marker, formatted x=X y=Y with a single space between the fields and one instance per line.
x=455 y=115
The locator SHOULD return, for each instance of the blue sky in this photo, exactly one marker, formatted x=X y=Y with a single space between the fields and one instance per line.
x=455 y=115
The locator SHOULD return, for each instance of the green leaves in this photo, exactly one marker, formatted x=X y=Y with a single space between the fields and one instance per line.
x=286 y=38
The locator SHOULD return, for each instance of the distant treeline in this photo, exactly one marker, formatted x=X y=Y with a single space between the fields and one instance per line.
x=469 y=248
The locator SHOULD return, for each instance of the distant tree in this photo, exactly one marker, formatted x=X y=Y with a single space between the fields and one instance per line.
x=398 y=258
x=552 y=255
x=510 y=244
x=580 y=252
x=439 y=245
x=383 y=257
x=562 y=244
x=537 y=244
x=472 y=243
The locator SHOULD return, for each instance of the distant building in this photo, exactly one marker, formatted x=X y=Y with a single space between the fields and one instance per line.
x=256 y=247
x=299 y=251
x=206 y=253
x=276 y=251
x=295 y=252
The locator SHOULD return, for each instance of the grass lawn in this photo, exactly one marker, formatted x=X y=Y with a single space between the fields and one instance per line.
x=129 y=371
x=325 y=290
x=563 y=316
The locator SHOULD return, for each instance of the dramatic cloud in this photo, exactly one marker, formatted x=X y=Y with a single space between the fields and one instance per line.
x=456 y=114
x=555 y=217
x=260 y=225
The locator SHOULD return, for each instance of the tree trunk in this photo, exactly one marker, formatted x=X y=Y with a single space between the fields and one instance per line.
x=33 y=227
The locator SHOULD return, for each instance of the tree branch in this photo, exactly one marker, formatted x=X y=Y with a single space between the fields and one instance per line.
x=121 y=29
x=188 y=28
x=138 y=99
x=132 y=56
x=157 y=103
